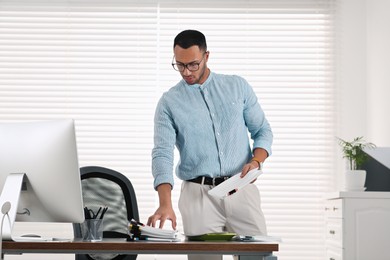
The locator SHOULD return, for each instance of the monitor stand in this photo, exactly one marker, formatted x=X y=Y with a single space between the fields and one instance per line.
x=9 y=200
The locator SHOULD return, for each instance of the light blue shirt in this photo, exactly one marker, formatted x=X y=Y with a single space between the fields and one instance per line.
x=209 y=125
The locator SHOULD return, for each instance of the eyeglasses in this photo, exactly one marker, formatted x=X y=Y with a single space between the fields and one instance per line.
x=192 y=66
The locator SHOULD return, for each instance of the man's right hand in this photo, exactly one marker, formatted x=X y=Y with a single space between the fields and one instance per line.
x=162 y=214
x=165 y=211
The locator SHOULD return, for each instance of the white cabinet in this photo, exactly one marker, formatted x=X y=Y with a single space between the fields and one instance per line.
x=357 y=226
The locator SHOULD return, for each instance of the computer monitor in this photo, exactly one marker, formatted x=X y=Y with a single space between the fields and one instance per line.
x=39 y=173
x=378 y=169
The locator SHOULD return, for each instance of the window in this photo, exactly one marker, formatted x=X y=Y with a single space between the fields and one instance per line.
x=106 y=63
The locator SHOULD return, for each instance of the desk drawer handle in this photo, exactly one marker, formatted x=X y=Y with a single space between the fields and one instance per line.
x=332 y=232
x=334 y=208
x=332 y=258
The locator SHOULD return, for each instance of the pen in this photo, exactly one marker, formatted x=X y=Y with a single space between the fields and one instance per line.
x=97 y=213
x=232 y=192
x=103 y=212
x=87 y=213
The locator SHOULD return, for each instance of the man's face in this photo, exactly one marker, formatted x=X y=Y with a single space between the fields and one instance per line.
x=189 y=57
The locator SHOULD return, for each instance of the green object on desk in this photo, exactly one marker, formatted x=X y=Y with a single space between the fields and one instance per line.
x=212 y=237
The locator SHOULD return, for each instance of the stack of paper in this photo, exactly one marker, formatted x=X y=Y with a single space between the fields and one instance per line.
x=139 y=231
x=157 y=232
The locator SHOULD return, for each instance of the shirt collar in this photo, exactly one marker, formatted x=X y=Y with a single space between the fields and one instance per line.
x=201 y=86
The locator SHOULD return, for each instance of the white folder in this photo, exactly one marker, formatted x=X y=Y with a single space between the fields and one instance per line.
x=234 y=183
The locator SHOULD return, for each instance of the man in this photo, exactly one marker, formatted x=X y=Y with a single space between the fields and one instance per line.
x=208 y=116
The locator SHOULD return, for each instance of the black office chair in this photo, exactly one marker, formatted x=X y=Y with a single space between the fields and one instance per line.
x=105 y=187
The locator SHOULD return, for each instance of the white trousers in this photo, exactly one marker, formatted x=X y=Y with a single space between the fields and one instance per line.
x=239 y=213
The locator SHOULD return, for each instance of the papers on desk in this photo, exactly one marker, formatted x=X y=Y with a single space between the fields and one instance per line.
x=139 y=231
x=157 y=232
x=234 y=183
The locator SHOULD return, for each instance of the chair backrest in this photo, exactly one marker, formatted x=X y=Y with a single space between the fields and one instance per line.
x=103 y=187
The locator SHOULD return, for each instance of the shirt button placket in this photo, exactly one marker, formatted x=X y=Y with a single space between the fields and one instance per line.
x=217 y=133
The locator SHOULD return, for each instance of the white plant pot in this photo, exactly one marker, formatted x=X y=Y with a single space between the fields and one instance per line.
x=355 y=180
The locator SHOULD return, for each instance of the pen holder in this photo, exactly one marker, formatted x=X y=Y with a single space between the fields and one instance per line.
x=92 y=230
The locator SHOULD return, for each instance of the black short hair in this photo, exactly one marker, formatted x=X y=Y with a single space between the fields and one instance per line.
x=189 y=38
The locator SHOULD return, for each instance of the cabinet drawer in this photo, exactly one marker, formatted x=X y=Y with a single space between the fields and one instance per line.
x=334 y=232
x=334 y=208
x=333 y=253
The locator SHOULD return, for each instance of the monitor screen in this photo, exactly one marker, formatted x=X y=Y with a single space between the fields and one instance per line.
x=378 y=169
x=45 y=153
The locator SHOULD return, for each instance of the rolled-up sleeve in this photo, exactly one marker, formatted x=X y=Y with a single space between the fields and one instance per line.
x=258 y=125
x=164 y=142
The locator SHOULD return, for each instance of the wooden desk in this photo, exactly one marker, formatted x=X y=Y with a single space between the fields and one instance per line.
x=245 y=250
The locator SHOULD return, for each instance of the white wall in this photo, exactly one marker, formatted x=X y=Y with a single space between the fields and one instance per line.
x=378 y=71
x=363 y=78
x=351 y=73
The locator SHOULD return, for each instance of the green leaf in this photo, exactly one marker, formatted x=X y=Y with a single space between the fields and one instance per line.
x=353 y=151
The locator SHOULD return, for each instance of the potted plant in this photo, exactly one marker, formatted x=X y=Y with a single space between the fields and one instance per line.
x=353 y=151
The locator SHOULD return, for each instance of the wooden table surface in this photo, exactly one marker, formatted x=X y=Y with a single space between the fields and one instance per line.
x=140 y=247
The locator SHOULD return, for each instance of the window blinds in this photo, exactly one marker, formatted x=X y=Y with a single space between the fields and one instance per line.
x=106 y=63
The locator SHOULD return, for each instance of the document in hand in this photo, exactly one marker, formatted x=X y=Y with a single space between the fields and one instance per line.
x=234 y=183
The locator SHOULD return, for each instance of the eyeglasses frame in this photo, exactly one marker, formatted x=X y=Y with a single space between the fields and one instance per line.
x=185 y=66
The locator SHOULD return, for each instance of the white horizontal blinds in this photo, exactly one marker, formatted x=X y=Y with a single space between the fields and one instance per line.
x=106 y=63
x=91 y=63
x=285 y=50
